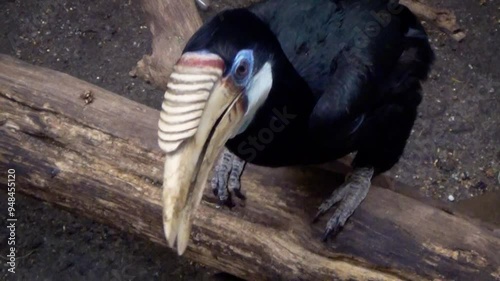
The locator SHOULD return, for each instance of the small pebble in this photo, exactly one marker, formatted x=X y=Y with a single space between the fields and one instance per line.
x=451 y=198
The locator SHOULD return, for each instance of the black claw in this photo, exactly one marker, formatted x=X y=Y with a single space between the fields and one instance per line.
x=317 y=216
x=331 y=231
x=324 y=238
x=228 y=202
x=240 y=195
x=336 y=231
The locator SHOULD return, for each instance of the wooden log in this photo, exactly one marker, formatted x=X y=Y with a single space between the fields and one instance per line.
x=171 y=22
x=444 y=19
x=94 y=152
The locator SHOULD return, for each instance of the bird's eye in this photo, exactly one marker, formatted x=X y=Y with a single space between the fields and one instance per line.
x=241 y=70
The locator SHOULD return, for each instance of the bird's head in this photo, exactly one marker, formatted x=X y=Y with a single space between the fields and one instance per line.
x=223 y=77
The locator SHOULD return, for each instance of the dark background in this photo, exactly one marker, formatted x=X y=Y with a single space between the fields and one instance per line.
x=454 y=149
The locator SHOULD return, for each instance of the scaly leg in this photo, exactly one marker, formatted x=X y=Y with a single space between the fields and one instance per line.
x=348 y=197
x=226 y=179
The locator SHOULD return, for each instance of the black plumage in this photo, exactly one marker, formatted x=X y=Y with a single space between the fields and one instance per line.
x=303 y=82
x=346 y=73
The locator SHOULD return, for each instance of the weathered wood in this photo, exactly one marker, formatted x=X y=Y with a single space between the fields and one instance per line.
x=442 y=18
x=101 y=160
x=172 y=22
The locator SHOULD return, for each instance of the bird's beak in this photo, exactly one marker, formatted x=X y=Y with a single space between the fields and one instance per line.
x=200 y=111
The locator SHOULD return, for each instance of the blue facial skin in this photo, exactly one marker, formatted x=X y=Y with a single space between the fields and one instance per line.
x=245 y=59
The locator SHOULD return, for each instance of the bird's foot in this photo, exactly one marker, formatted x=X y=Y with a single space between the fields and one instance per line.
x=348 y=197
x=226 y=178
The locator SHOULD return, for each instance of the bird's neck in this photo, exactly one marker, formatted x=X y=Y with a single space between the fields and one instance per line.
x=278 y=131
x=291 y=91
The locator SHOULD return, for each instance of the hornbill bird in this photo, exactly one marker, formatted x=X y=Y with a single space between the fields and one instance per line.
x=290 y=82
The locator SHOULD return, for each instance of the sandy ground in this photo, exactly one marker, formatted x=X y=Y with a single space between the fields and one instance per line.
x=453 y=154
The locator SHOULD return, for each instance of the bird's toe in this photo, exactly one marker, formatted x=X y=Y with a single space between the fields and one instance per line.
x=226 y=180
x=346 y=198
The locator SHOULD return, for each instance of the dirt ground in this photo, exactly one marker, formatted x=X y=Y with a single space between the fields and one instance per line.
x=453 y=154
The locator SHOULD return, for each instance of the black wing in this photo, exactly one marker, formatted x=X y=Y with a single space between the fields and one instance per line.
x=348 y=53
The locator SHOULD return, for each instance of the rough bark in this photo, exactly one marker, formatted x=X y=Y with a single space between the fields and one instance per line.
x=172 y=22
x=98 y=156
x=444 y=19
